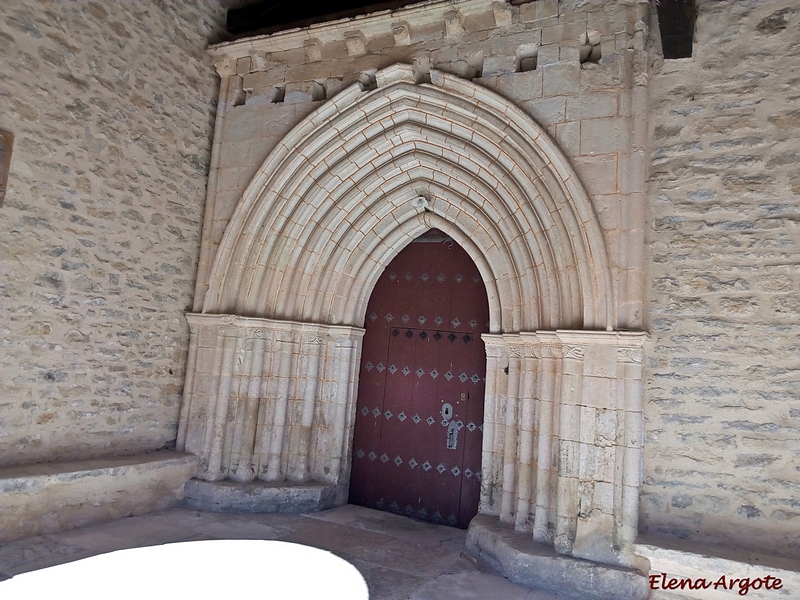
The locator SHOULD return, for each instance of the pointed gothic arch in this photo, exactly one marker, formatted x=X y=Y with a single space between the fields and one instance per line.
x=332 y=204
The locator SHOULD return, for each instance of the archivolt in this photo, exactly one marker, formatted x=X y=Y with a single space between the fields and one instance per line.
x=332 y=205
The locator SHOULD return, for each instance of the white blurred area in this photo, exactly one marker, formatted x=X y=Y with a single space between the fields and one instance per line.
x=213 y=569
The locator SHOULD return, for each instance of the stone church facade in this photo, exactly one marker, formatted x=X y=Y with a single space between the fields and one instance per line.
x=634 y=221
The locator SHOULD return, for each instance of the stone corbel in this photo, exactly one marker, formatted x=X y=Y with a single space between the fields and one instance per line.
x=225 y=65
x=356 y=43
x=402 y=34
x=313 y=50
x=453 y=23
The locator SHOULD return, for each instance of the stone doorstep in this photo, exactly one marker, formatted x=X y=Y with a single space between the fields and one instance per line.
x=693 y=560
x=259 y=496
x=517 y=557
x=51 y=497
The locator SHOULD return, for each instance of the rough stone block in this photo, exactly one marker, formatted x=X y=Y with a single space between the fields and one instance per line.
x=499 y=64
x=502 y=14
x=561 y=79
x=547 y=111
x=548 y=54
x=680 y=559
x=592 y=106
x=519 y=86
x=603 y=136
x=243 y=65
x=599 y=174
x=543 y=10
x=568 y=136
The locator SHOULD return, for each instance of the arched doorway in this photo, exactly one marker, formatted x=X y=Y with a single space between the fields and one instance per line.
x=422 y=377
x=272 y=373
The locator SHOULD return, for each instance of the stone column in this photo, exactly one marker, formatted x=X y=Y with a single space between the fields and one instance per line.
x=270 y=399
x=562 y=438
x=226 y=68
x=605 y=433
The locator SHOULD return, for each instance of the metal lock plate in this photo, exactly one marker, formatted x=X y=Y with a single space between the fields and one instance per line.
x=452 y=435
x=447 y=411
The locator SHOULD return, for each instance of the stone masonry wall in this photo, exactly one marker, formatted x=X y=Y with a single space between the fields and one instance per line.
x=112 y=106
x=723 y=392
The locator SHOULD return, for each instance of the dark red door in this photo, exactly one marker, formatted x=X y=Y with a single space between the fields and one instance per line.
x=419 y=421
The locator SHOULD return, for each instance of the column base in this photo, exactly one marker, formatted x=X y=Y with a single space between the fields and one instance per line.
x=518 y=558
x=259 y=496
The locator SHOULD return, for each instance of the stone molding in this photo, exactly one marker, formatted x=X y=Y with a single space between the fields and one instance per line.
x=346 y=178
x=381 y=23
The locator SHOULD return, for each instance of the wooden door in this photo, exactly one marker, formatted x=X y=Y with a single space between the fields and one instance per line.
x=419 y=421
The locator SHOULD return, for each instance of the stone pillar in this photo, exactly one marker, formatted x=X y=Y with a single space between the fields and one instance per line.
x=270 y=400
x=563 y=439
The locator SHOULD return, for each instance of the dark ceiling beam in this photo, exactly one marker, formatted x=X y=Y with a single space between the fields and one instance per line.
x=270 y=16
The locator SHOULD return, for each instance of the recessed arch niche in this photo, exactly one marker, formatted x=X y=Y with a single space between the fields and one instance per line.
x=271 y=378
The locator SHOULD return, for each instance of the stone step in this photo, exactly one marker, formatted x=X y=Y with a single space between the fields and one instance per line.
x=537 y=566
x=50 y=497
x=259 y=496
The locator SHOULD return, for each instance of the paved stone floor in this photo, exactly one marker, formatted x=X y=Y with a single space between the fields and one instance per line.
x=399 y=558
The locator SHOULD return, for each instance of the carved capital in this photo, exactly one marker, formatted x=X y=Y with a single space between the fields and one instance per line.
x=495 y=350
x=630 y=355
x=552 y=352
x=258 y=332
x=286 y=336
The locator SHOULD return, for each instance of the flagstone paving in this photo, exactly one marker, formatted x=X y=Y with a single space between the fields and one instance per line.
x=399 y=558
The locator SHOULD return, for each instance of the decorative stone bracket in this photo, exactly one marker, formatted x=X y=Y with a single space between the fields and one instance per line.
x=562 y=446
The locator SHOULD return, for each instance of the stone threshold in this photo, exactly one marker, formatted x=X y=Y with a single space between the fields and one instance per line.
x=515 y=556
x=51 y=497
x=691 y=560
x=259 y=496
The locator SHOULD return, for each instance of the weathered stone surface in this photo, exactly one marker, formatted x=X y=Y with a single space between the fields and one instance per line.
x=694 y=561
x=535 y=565
x=111 y=107
x=50 y=497
x=721 y=451
x=259 y=496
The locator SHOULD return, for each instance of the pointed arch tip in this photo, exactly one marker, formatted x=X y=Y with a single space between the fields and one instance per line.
x=548 y=245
